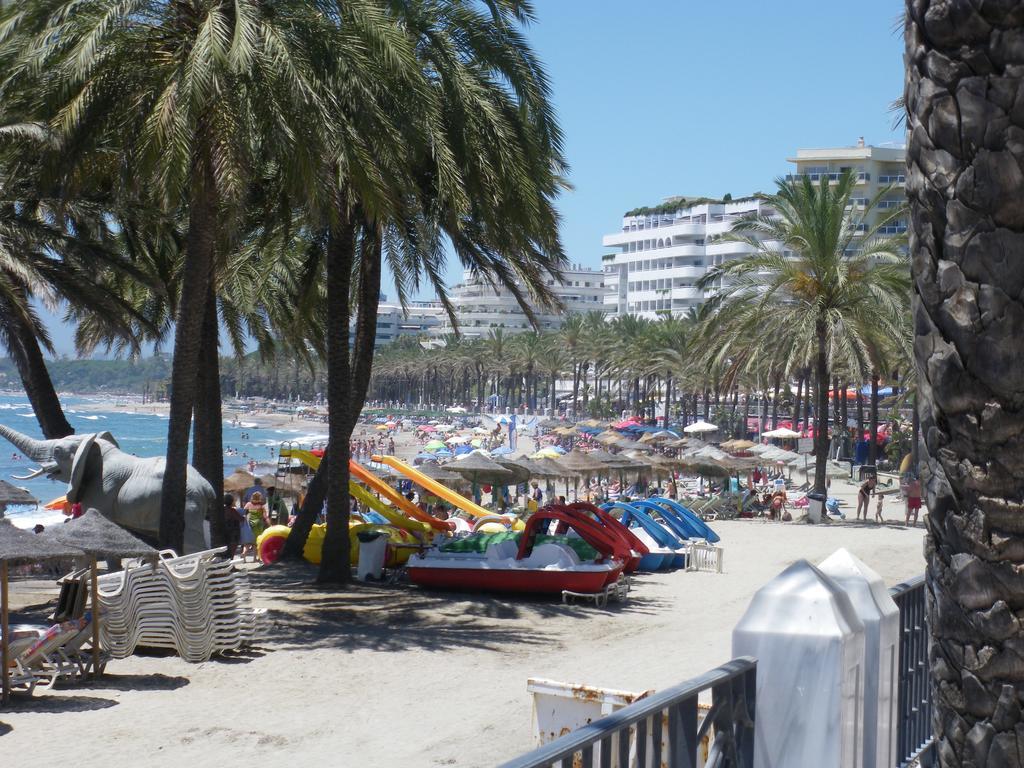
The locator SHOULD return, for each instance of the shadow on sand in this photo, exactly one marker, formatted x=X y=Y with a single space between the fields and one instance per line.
x=5 y=729
x=114 y=682
x=399 y=617
x=55 y=703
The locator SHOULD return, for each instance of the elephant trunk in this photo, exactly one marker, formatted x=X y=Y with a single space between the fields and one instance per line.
x=37 y=450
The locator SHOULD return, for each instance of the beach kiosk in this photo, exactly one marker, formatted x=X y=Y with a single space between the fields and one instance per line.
x=881 y=619
x=809 y=645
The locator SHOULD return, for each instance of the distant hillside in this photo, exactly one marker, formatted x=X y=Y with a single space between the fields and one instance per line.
x=89 y=376
x=250 y=376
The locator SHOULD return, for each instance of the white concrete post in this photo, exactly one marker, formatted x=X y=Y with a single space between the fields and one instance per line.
x=881 y=618
x=809 y=645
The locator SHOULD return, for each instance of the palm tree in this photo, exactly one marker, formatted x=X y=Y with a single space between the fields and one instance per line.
x=819 y=278
x=190 y=93
x=964 y=186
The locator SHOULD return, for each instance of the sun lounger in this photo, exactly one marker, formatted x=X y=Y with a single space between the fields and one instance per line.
x=42 y=657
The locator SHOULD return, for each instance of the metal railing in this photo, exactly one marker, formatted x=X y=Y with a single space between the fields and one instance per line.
x=914 y=737
x=664 y=729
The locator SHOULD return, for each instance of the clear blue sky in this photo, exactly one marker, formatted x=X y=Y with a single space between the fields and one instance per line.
x=669 y=97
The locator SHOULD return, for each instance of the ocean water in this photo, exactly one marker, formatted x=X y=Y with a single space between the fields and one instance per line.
x=143 y=434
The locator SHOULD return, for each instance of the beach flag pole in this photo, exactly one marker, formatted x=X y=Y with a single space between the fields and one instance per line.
x=4 y=635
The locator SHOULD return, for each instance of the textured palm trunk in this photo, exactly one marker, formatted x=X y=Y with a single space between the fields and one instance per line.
x=821 y=409
x=775 y=401
x=966 y=193
x=797 y=402
x=844 y=415
x=200 y=242
x=35 y=377
x=860 y=412
x=873 y=430
x=208 y=442
x=336 y=557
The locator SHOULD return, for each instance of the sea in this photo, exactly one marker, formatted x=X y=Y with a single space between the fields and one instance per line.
x=143 y=434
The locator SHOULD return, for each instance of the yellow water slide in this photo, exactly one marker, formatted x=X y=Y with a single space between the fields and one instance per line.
x=457 y=500
x=374 y=483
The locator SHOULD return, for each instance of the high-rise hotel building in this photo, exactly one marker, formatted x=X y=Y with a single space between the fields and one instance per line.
x=660 y=253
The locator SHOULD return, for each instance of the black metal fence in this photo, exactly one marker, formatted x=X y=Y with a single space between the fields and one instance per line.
x=664 y=729
x=914 y=738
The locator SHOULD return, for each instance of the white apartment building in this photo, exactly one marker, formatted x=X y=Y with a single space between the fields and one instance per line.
x=661 y=253
x=422 y=319
x=479 y=307
x=876 y=168
x=661 y=256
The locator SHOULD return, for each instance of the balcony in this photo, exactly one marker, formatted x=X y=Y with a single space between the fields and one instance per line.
x=898 y=179
x=831 y=176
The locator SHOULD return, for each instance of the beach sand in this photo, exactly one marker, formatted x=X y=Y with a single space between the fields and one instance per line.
x=388 y=676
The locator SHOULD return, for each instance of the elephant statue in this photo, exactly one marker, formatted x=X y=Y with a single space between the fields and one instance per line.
x=124 y=488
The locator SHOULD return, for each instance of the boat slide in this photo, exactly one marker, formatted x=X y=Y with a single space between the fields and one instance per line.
x=398 y=501
x=661 y=541
x=457 y=500
x=703 y=531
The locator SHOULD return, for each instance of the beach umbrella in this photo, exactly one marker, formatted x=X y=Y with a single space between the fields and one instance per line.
x=425 y=457
x=780 y=432
x=458 y=439
x=699 y=427
x=481 y=430
x=98 y=537
x=13 y=495
x=456 y=409
x=476 y=443
x=239 y=481
x=608 y=437
x=434 y=445
x=461 y=450
x=738 y=445
x=381 y=427
x=441 y=474
x=445 y=427
x=478 y=468
x=579 y=463
x=428 y=428
x=546 y=453
x=18 y=547
x=502 y=450
x=521 y=473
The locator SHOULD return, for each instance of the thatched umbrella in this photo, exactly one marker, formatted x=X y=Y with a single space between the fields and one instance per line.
x=441 y=474
x=608 y=437
x=478 y=468
x=521 y=472
x=98 y=537
x=579 y=463
x=238 y=481
x=16 y=548
x=12 y=494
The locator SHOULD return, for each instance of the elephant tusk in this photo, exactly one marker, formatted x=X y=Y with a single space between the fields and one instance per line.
x=30 y=475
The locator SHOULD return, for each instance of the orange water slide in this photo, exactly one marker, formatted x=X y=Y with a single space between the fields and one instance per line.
x=457 y=500
x=375 y=484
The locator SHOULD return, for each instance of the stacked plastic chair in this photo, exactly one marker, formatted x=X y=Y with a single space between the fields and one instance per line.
x=196 y=605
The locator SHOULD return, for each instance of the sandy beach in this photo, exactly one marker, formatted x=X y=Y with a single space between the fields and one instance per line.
x=385 y=676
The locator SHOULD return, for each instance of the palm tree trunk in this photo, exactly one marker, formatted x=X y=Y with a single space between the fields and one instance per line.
x=844 y=414
x=668 y=397
x=797 y=402
x=24 y=350
x=860 y=412
x=821 y=409
x=873 y=442
x=807 y=397
x=964 y=186
x=197 y=273
x=915 y=432
x=341 y=245
x=208 y=442
x=775 y=401
x=335 y=561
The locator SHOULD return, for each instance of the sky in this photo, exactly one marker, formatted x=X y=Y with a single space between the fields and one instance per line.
x=677 y=97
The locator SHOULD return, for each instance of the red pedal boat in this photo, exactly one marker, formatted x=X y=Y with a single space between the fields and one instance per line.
x=548 y=567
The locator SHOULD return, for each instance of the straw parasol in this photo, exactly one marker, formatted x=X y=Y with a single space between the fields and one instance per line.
x=12 y=494
x=520 y=470
x=440 y=474
x=738 y=445
x=98 y=537
x=238 y=481
x=608 y=437
x=580 y=462
x=477 y=468
x=16 y=548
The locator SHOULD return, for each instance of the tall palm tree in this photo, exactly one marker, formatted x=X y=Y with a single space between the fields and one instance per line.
x=818 y=276
x=190 y=93
x=964 y=186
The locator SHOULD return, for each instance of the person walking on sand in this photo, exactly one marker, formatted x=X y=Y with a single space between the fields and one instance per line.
x=232 y=526
x=256 y=511
x=867 y=488
x=913 y=499
x=878 y=508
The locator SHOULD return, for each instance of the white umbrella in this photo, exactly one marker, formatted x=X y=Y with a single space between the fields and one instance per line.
x=445 y=427
x=456 y=409
x=458 y=439
x=780 y=432
x=698 y=427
